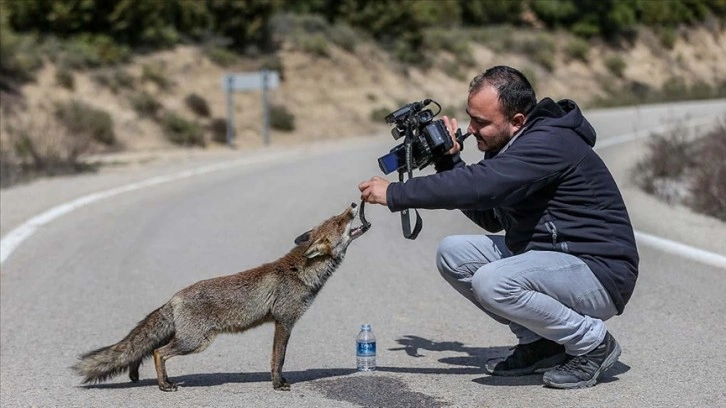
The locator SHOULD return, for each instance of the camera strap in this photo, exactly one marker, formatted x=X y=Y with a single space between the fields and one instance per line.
x=405 y=219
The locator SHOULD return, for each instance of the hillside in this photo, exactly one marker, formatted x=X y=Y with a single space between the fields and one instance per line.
x=340 y=93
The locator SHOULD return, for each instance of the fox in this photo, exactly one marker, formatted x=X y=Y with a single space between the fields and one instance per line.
x=279 y=292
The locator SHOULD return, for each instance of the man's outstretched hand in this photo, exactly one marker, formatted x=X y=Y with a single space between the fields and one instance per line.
x=374 y=190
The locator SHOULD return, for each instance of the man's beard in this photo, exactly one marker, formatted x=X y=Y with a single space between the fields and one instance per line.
x=495 y=143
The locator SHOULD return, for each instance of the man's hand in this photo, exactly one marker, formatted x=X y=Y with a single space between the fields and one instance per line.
x=452 y=125
x=374 y=190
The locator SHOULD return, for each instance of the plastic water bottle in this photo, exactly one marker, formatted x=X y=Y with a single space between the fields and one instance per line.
x=365 y=349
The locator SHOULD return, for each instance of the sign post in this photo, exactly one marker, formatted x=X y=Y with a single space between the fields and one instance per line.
x=264 y=80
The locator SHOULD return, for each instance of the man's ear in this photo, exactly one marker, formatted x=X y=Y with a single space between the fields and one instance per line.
x=518 y=121
x=318 y=248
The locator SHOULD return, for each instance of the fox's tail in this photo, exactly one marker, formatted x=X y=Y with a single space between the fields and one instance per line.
x=152 y=332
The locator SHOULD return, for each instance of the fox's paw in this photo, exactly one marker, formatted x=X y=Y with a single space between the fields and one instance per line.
x=167 y=386
x=281 y=385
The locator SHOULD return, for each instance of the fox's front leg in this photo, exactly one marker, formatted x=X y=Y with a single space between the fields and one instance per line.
x=279 y=346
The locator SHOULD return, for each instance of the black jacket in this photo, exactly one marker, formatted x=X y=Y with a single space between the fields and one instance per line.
x=548 y=190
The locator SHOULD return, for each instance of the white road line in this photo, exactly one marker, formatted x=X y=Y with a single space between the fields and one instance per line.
x=686 y=251
x=14 y=238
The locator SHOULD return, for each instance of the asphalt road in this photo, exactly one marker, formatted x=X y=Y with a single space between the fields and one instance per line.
x=82 y=280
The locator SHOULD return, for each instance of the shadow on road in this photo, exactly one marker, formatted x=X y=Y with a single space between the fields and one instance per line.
x=212 y=379
x=474 y=362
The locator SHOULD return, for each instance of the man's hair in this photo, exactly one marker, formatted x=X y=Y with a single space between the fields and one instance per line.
x=515 y=92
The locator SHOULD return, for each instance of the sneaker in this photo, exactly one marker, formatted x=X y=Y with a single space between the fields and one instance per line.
x=584 y=371
x=527 y=359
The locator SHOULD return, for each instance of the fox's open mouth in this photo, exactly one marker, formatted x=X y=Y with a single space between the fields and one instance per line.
x=360 y=230
x=357 y=231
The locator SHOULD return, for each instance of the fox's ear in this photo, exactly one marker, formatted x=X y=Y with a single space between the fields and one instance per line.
x=318 y=248
x=303 y=238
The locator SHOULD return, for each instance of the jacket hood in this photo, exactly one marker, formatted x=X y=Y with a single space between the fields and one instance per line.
x=562 y=114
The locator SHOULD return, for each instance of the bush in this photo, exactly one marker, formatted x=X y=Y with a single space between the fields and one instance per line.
x=218 y=128
x=687 y=171
x=708 y=189
x=155 y=73
x=616 y=65
x=145 y=105
x=577 y=49
x=281 y=118
x=197 y=104
x=181 y=131
x=92 y=51
x=222 y=56
x=83 y=119
x=37 y=146
x=20 y=58
x=115 y=79
x=378 y=115
x=64 y=78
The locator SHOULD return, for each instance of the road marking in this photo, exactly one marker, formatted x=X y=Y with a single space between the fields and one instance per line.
x=677 y=248
x=14 y=238
x=17 y=236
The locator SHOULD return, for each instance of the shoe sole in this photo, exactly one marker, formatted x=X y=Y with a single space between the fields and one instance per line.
x=609 y=361
x=538 y=368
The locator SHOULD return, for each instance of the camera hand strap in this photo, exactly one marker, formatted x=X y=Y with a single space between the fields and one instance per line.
x=405 y=219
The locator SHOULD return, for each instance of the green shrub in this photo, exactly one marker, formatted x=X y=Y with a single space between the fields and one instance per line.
x=315 y=44
x=20 y=58
x=115 y=79
x=616 y=65
x=37 y=145
x=281 y=118
x=379 y=114
x=674 y=89
x=577 y=49
x=453 y=69
x=197 y=104
x=451 y=41
x=531 y=76
x=155 y=73
x=92 y=51
x=181 y=131
x=218 y=128
x=144 y=104
x=64 y=78
x=667 y=37
x=222 y=56
x=81 y=118
x=344 y=36
x=708 y=189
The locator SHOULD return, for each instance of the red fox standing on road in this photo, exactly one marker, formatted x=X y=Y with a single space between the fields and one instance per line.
x=279 y=291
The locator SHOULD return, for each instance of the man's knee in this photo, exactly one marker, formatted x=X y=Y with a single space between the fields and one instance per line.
x=492 y=288
x=444 y=258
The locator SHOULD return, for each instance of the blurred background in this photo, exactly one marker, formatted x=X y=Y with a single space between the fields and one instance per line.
x=86 y=80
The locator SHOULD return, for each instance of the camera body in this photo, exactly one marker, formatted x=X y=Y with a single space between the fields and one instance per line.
x=428 y=138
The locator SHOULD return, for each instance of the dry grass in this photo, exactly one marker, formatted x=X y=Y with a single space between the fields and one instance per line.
x=688 y=171
x=41 y=146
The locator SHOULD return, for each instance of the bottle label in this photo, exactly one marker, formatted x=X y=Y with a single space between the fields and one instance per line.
x=366 y=348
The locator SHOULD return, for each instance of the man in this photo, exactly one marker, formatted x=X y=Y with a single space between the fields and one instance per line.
x=568 y=259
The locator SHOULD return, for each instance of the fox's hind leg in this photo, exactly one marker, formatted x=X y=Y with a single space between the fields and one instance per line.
x=134 y=371
x=178 y=346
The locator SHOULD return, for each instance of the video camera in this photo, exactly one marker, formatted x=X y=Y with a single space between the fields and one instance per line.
x=425 y=139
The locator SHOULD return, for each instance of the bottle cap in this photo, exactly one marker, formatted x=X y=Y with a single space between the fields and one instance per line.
x=365 y=326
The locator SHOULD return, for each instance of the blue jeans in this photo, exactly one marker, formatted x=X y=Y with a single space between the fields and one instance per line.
x=538 y=293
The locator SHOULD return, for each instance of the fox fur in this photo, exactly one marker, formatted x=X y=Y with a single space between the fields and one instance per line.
x=279 y=292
